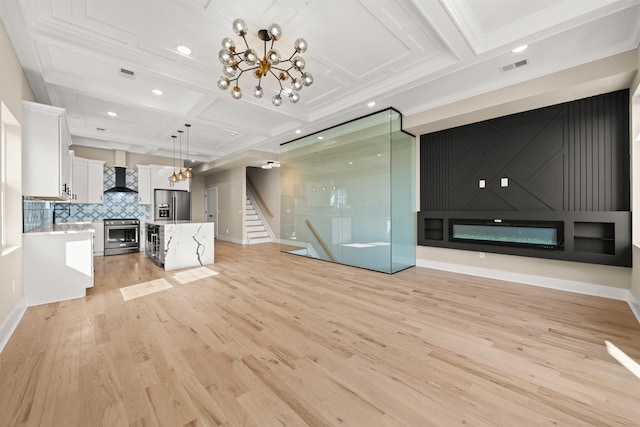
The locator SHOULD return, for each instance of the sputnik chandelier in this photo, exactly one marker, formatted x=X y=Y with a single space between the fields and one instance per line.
x=235 y=63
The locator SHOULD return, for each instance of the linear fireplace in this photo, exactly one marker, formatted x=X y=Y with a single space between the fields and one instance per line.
x=514 y=233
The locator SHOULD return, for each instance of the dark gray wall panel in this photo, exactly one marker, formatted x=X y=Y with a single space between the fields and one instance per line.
x=567 y=157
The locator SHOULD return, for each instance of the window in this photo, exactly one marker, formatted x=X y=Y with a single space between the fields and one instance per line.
x=10 y=179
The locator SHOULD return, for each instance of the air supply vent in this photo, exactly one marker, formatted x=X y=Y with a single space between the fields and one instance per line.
x=514 y=65
x=127 y=73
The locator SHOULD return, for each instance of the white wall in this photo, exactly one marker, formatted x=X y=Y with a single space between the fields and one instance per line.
x=591 y=79
x=13 y=89
x=231 y=186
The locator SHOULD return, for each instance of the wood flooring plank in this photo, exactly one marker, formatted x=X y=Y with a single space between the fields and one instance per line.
x=263 y=338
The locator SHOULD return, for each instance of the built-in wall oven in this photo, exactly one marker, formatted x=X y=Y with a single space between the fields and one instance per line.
x=121 y=236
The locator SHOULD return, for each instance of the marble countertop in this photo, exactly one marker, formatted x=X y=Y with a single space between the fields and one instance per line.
x=65 y=228
x=174 y=222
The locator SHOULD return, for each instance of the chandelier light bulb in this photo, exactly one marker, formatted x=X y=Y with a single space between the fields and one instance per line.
x=225 y=56
x=307 y=79
x=275 y=32
x=300 y=45
x=180 y=175
x=173 y=178
x=240 y=27
x=250 y=56
x=298 y=63
x=223 y=83
x=228 y=44
x=187 y=173
x=273 y=57
x=229 y=71
x=265 y=62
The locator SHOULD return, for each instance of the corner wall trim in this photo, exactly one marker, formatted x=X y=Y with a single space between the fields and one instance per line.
x=530 y=279
x=634 y=303
x=10 y=325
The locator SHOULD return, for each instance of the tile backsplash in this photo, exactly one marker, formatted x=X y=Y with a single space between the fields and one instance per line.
x=38 y=213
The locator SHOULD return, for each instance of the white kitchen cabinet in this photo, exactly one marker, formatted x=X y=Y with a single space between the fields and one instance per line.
x=63 y=266
x=98 y=238
x=88 y=181
x=46 y=163
x=144 y=185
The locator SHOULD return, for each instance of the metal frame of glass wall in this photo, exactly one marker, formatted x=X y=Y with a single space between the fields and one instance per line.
x=348 y=194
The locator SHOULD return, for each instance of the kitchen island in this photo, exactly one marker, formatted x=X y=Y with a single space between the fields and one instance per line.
x=180 y=244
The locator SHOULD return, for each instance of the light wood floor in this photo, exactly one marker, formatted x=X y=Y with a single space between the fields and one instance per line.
x=279 y=340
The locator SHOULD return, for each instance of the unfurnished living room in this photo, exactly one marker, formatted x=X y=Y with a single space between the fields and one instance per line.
x=319 y=213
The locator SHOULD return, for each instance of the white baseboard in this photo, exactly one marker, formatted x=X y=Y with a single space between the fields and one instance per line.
x=530 y=279
x=634 y=303
x=231 y=239
x=10 y=325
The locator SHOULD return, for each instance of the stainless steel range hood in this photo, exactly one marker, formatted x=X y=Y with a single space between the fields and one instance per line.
x=121 y=182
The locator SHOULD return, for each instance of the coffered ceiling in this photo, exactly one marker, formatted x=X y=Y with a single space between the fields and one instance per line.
x=409 y=54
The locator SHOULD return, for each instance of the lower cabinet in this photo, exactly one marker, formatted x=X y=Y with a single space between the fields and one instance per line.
x=58 y=266
x=98 y=240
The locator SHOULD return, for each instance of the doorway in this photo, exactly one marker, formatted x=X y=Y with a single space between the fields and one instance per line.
x=211 y=207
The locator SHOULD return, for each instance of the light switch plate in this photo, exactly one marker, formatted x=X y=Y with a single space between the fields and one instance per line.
x=482 y=183
x=504 y=182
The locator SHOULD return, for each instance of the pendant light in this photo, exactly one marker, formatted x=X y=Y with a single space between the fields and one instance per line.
x=174 y=178
x=187 y=172
x=180 y=174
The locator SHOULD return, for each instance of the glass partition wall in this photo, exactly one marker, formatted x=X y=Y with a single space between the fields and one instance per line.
x=348 y=194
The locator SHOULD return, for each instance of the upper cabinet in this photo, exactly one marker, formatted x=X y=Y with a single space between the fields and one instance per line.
x=88 y=181
x=144 y=185
x=46 y=164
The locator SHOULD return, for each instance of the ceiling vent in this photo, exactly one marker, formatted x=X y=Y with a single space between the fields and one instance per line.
x=514 y=65
x=127 y=73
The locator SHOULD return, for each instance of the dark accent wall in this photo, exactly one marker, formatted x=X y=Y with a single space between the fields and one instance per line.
x=567 y=157
x=567 y=164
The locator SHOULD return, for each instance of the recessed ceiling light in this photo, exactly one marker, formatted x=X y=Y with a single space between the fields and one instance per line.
x=112 y=114
x=184 y=50
x=371 y=104
x=157 y=91
x=298 y=131
x=350 y=163
x=321 y=137
x=520 y=48
x=379 y=154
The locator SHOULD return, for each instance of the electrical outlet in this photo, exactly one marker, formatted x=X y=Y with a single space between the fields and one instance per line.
x=227 y=231
x=481 y=254
x=13 y=285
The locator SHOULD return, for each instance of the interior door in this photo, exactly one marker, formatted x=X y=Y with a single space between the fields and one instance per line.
x=211 y=212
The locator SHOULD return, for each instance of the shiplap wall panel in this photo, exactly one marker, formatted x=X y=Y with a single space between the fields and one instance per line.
x=567 y=157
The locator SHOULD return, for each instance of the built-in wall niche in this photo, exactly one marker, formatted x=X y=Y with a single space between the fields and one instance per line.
x=593 y=237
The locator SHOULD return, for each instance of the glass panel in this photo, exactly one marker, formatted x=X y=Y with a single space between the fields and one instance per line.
x=336 y=194
x=403 y=196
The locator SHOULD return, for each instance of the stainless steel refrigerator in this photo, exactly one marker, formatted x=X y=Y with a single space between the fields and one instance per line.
x=172 y=205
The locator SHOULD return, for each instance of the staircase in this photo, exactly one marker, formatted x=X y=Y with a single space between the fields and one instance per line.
x=256 y=231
